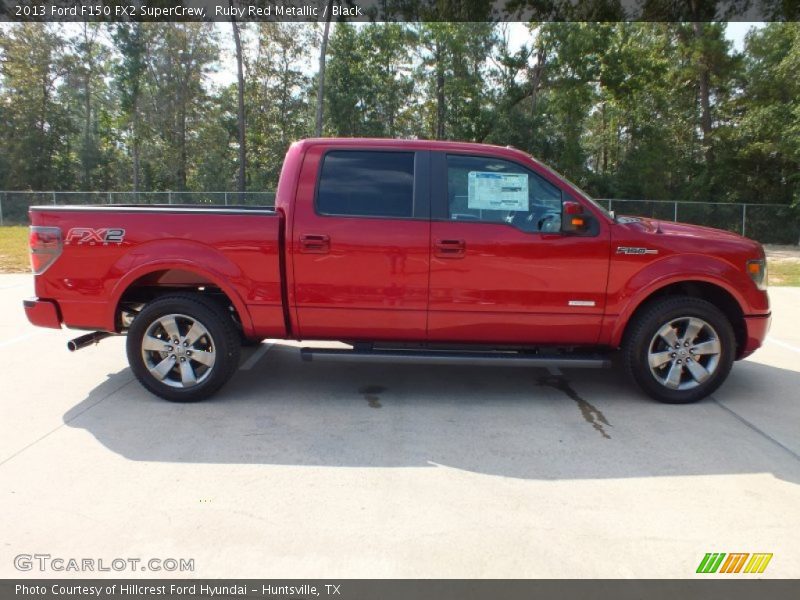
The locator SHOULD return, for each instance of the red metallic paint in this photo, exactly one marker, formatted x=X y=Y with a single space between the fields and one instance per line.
x=370 y=278
x=685 y=253
x=756 y=329
x=385 y=293
x=42 y=313
x=515 y=287
x=236 y=252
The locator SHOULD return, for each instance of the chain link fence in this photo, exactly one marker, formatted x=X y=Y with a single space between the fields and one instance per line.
x=14 y=205
x=767 y=223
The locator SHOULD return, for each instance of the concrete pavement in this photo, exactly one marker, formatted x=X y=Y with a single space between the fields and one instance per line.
x=327 y=470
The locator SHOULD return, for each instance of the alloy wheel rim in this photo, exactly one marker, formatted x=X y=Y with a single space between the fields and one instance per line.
x=178 y=351
x=684 y=353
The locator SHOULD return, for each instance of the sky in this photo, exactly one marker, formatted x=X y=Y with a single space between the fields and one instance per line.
x=735 y=32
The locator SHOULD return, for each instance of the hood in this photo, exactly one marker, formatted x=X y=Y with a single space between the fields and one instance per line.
x=684 y=230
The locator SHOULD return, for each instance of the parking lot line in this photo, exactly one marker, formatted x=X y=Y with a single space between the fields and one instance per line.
x=20 y=338
x=783 y=344
x=66 y=422
x=749 y=425
x=257 y=355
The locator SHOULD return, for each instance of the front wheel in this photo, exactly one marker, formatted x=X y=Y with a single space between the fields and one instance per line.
x=183 y=347
x=679 y=349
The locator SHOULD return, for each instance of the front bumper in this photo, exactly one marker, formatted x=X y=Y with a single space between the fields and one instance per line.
x=756 y=328
x=42 y=313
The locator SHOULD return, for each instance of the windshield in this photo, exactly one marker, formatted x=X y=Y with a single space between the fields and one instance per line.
x=593 y=202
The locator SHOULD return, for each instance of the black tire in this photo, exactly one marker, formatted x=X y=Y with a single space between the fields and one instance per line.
x=219 y=344
x=247 y=342
x=697 y=372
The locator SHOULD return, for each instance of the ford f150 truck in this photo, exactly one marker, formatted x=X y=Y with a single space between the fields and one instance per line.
x=407 y=251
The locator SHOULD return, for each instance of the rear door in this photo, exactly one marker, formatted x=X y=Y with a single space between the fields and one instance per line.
x=361 y=244
x=501 y=270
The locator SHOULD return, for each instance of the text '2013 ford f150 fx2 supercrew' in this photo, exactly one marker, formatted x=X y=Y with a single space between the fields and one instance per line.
x=407 y=251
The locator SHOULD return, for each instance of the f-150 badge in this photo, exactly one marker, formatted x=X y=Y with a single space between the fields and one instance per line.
x=630 y=250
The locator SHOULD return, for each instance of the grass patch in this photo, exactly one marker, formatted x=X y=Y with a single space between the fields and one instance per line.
x=14 y=249
x=784 y=272
x=783 y=269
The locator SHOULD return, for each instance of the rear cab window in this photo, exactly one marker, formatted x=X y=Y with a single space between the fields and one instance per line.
x=366 y=184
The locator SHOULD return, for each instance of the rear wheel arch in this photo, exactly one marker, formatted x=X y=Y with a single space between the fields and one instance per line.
x=183 y=347
x=153 y=281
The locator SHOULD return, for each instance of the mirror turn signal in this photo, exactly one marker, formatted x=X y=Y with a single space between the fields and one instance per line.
x=573 y=218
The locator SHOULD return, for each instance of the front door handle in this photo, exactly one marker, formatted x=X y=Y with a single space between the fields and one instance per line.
x=450 y=248
x=315 y=244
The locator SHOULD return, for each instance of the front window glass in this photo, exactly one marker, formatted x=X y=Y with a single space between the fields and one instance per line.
x=490 y=190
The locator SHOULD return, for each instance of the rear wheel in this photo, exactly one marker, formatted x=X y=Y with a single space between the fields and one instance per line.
x=679 y=349
x=183 y=347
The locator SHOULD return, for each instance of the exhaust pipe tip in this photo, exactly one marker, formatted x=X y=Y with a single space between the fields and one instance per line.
x=87 y=340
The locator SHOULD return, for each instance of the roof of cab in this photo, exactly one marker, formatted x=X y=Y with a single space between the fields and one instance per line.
x=414 y=145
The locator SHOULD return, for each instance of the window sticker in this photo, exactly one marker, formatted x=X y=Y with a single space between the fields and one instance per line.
x=497 y=191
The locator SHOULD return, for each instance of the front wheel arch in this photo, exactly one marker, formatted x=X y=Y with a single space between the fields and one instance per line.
x=721 y=298
x=650 y=359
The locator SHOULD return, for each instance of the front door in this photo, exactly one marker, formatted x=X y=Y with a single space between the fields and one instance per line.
x=501 y=270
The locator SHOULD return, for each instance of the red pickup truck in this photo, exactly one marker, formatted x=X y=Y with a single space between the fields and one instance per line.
x=407 y=251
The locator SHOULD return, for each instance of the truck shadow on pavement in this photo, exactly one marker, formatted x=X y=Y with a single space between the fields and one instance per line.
x=513 y=422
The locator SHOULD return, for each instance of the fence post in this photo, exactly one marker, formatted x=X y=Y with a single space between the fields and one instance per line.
x=675 y=212
x=744 y=218
x=226 y=198
x=169 y=197
x=54 y=198
x=109 y=198
x=1 y=208
x=610 y=204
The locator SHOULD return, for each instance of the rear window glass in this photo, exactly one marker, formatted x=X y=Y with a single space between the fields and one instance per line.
x=367 y=184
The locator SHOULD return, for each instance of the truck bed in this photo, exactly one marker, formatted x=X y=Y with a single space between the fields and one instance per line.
x=234 y=249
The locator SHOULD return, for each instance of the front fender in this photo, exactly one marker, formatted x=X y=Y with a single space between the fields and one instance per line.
x=669 y=270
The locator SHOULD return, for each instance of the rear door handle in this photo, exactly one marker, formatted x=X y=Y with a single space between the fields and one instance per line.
x=450 y=248
x=315 y=244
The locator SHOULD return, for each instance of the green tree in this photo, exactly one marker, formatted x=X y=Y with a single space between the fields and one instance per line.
x=767 y=164
x=35 y=123
x=277 y=97
x=347 y=90
x=131 y=41
x=92 y=106
x=454 y=62
x=182 y=54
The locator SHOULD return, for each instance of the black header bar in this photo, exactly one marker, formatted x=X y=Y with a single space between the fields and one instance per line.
x=399 y=10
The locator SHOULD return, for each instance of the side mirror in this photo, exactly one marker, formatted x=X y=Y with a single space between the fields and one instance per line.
x=574 y=219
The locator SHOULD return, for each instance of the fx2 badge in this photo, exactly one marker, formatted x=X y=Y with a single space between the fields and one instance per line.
x=630 y=250
x=86 y=235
